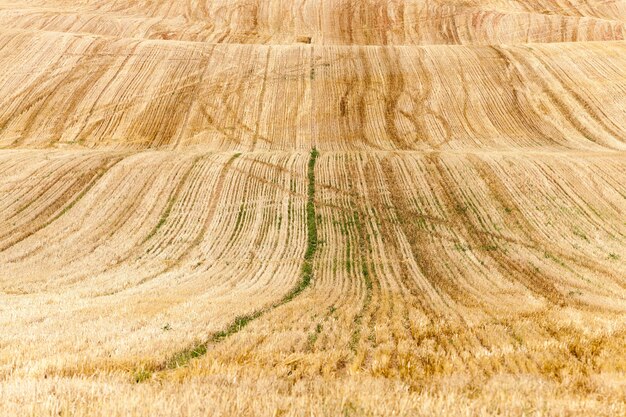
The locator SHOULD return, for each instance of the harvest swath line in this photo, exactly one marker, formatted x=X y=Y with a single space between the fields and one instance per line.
x=456 y=248
x=183 y=357
x=98 y=174
x=164 y=216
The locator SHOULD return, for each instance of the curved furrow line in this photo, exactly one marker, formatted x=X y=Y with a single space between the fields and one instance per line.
x=251 y=246
x=195 y=95
x=176 y=254
x=424 y=251
x=402 y=293
x=90 y=111
x=563 y=105
x=56 y=177
x=304 y=323
x=528 y=223
x=248 y=275
x=263 y=232
x=77 y=241
x=343 y=289
x=538 y=234
x=582 y=259
x=164 y=255
x=171 y=201
x=612 y=180
x=55 y=212
x=527 y=110
x=571 y=194
x=538 y=283
x=360 y=218
x=439 y=239
x=45 y=103
x=183 y=357
x=387 y=212
x=424 y=105
x=113 y=235
x=528 y=266
x=338 y=22
x=410 y=177
x=25 y=221
x=596 y=114
x=457 y=248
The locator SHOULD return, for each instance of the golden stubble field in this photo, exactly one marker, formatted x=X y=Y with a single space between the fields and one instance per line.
x=312 y=208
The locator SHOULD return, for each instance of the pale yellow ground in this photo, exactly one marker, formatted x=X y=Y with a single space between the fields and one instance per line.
x=470 y=204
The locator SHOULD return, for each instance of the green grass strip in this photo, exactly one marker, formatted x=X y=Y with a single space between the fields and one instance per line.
x=182 y=358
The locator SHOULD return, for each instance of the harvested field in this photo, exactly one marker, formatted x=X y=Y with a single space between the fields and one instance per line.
x=341 y=207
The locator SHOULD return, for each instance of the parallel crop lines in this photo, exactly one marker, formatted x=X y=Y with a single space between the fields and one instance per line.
x=188 y=276
x=397 y=22
x=387 y=328
x=338 y=207
x=392 y=98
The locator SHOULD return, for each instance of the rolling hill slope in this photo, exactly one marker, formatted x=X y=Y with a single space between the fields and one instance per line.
x=312 y=208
